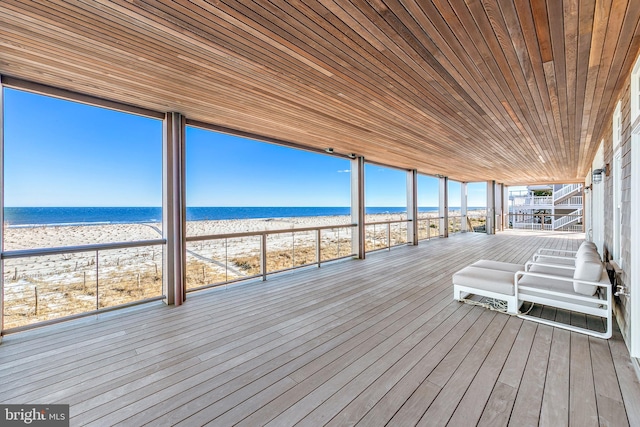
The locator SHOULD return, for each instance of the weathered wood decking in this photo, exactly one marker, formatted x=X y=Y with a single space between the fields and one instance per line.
x=370 y=342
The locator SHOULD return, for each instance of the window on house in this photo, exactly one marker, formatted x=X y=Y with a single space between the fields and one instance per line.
x=617 y=127
x=617 y=182
x=635 y=92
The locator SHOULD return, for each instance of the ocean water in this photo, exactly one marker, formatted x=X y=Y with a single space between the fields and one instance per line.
x=32 y=216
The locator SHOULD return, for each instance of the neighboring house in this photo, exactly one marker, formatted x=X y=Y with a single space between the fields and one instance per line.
x=547 y=207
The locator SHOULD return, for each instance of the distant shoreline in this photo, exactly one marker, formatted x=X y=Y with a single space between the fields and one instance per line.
x=31 y=217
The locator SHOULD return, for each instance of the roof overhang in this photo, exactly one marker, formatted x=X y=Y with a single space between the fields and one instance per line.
x=517 y=92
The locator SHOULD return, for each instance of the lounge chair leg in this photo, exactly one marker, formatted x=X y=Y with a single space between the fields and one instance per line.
x=457 y=294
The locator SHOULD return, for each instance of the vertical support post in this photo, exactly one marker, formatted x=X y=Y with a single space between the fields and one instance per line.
x=173 y=209
x=412 y=207
x=357 y=206
x=97 y=281
x=389 y=236
x=499 y=206
x=463 y=207
x=263 y=256
x=491 y=207
x=443 y=206
x=505 y=207
x=319 y=246
x=1 y=207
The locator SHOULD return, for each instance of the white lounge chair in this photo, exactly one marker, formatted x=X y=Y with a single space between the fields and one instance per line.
x=583 y=287
x=592 y=297
x=563 y=257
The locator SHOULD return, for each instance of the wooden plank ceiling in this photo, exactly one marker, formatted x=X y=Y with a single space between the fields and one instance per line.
x=515 y=91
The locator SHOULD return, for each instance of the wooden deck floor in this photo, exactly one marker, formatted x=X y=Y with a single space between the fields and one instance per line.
x=371 y=342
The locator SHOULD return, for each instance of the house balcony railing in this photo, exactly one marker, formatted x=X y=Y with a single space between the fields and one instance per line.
x=567 y=220
x=565 y=191
x=570 y=202
x=534 y=201
x=523 y=221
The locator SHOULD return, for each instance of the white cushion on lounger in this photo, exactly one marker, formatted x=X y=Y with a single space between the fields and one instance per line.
x=556 y=271
x=586 y=249
x=546 y=283
x=498 y=265
x=554 y=260
x=587 y=243
x=587 y=268
x=483 y=278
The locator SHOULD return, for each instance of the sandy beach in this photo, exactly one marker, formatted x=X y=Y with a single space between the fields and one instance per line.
x=49 y=286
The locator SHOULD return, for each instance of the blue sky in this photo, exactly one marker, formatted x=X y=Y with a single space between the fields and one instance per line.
x=59 y=153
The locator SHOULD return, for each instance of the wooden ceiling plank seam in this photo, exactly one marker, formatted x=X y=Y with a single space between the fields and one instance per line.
x=142 y=80
x=585 y=28
x=447 y=15
x=375 y=55
x=338 y=64
x=399 y=45
x=494 y=106
x=517 y=32
x=556 y=28
x=539 y=12
x=79 y=40
x=465 y=78
x=510 y=37
x=364 y=56
x=540 y=15
x=481 y=16
x=615 y=21
x=449 y=55
x=527 y=25
x=598 y=34
x=535 y=14
x=126 y=11
x=400 y=82
x=277 y=43
x=409 y=49
x=416 y=46
x=615 y=82
x=616 y=78
x=360 y=18
x=158 y=64
x=435 y=32
x=467 y=24
x=571 y=23
x=549 y=72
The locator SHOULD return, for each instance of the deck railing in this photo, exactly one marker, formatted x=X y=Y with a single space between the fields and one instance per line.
x=221 y=259
x=385 y=234
x=50 y=284
x=428 y=228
